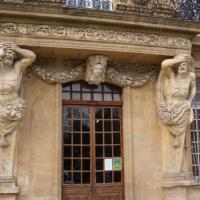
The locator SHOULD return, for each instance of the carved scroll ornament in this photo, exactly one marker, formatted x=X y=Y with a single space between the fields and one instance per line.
x=134 y=75
x=59 y=77
x=121 y=74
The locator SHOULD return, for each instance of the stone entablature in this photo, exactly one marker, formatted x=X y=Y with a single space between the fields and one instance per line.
x=93 y=34
x=94 y=31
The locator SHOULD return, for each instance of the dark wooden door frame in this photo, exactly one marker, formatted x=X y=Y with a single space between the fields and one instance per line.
x=91 y=105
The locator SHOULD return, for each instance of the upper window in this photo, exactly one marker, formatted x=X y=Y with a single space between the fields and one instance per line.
x=195 y=134
x=86 y=92
x=92 y=4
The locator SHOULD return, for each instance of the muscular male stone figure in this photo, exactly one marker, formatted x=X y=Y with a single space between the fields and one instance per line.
x=175 y=91
x=13 y=62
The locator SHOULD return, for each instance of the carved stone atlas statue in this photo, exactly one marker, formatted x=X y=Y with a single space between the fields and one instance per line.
x=13 y=61
x=176 y=89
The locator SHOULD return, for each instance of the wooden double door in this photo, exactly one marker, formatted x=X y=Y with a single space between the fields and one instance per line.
x=92 y=152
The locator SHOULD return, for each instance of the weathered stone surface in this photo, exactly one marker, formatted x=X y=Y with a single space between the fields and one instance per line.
x=8 y=189
x=146 y=146
x=40 y=140
x=39 y=169
x=177 y=193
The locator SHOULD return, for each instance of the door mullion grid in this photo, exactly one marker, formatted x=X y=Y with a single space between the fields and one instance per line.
x=81 y=142
x=92 y=146
x=112 y=143
x=72 y=141
x=103 y=145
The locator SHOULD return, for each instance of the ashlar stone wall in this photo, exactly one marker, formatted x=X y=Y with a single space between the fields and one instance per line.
x=38 y=146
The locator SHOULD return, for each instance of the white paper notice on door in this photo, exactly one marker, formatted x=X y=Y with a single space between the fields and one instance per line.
x=108 y=164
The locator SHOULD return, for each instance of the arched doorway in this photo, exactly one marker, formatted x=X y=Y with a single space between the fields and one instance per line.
x=92 y=142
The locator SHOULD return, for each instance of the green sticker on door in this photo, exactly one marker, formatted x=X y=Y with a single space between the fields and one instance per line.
x=117 y=164
x=113 y=164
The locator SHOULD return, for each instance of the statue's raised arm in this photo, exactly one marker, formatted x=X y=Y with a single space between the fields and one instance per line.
x=168 y=64
x=176 y=88
x=26 y=57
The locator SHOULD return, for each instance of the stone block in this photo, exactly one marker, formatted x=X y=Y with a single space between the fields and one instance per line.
x=175 y=193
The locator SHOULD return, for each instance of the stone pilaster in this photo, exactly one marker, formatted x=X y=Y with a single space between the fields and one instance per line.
x=8 y=188
x=171 y=157
x=175 y=193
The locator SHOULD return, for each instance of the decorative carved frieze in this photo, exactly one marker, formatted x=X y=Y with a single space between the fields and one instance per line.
x=93 y=34
x=121 y=74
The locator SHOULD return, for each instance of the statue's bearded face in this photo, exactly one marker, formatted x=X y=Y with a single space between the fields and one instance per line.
x=96 y=73
x=8 y=57
x=182 y=68
x=96 y=67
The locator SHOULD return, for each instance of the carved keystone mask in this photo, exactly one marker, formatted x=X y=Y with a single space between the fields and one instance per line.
x=96 y=68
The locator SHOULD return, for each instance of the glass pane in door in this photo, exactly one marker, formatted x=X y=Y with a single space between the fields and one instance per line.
x=108 y=161
x=76 y=145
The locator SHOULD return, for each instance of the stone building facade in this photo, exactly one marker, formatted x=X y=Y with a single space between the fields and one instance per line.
x=88 y=124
